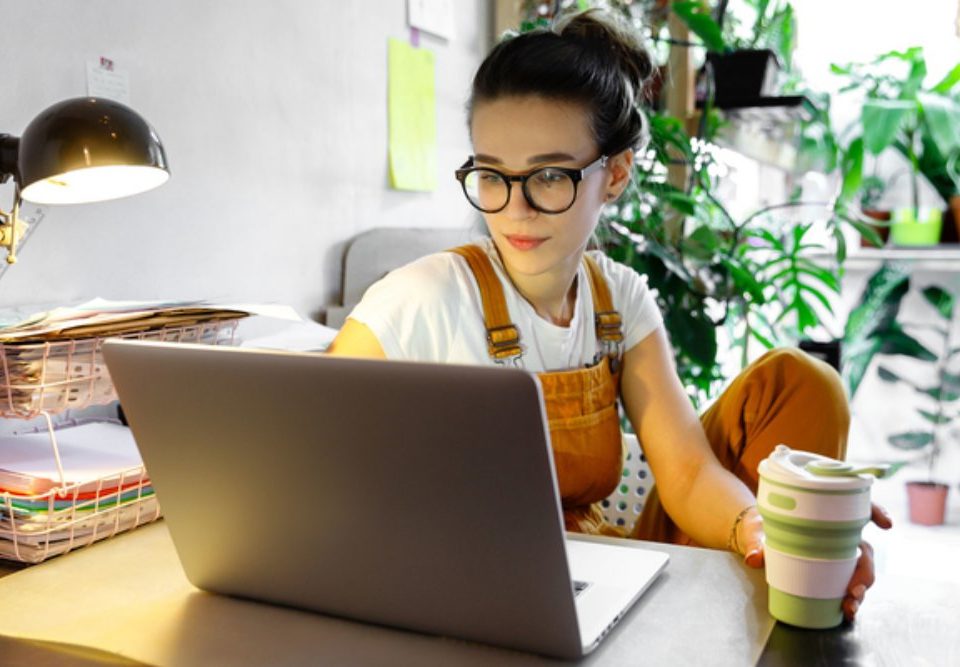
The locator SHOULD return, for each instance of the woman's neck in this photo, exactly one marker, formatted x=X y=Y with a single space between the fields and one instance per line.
x=553 y=294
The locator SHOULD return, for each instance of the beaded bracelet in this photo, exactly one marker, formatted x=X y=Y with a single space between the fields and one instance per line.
x=733 y=544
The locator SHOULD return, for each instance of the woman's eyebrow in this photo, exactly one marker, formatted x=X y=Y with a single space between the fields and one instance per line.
x=550 y=157
x=535 y=159
x=480 y=157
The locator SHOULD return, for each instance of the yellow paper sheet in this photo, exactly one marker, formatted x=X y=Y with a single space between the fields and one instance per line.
x=412 y=117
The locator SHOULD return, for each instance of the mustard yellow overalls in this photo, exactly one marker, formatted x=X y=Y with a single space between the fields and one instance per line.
x=770 y=402
x=581 y=403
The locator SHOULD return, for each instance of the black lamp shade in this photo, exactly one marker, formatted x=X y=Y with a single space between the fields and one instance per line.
x=88 y=149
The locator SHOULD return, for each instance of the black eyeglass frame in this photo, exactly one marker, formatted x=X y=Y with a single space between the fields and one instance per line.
x=575 y=175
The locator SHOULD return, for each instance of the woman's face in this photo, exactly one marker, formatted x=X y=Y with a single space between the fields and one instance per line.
x=516 y=135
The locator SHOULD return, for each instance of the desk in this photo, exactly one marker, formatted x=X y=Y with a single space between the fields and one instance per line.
x=127 y=595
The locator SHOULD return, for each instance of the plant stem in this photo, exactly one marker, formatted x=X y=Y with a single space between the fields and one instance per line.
x=744 y=357
x=914 y=172
x=941 y=370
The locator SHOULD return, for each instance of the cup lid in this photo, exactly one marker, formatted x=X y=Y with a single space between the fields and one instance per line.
x=789 y=466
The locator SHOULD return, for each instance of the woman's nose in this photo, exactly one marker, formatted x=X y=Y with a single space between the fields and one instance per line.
x=518 y=208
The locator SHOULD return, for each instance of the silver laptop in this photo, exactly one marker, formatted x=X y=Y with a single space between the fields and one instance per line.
x=413 y=495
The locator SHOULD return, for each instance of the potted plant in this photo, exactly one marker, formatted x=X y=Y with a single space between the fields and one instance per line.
x=874 y=328
x=918 y=122
x=872 y=189
x=744 y=57
x=754 y=281
x=928 y=498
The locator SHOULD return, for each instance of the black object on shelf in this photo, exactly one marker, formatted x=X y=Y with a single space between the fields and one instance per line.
x=738 y=75
x=828 y=351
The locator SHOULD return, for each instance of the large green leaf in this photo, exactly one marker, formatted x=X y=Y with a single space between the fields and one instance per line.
x=941 y=116
x=841 y=242
x=940 y=299
x=879 y=303
x=911 y=440
x=896 y=341
x=701 y=23
x=946 y=84
x=867 y=231
x=695 y=333
x=702 y=243
x=818 y=295
x=882 y=121
x=851 y=165
x=940 y=393
x=935 y=417
x=855 y=364
x=950 y=381
x=887 y=375
x=746 y=281
x=913 y=57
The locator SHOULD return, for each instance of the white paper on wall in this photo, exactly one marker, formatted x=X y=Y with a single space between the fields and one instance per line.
x=433 y=16
x=104 y=79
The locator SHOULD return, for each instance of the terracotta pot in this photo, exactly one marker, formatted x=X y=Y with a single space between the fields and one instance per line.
x=951 y=221
x=927 y=502
x=882 y=230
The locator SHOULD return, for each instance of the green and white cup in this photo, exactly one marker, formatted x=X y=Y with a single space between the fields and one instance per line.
x=812 y=524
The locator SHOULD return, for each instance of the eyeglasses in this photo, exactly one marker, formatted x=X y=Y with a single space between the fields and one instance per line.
x=547 y=189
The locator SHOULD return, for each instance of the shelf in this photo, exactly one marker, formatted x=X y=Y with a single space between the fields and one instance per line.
x=927 y=258
x=767 y=109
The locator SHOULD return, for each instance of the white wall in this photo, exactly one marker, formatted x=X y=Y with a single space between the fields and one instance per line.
x=845 y=31
x=273 y=115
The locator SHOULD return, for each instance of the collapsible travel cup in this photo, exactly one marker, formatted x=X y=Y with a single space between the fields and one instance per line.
x=812 y=524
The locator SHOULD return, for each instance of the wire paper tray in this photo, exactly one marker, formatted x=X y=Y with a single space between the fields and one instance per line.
x=36 y=527
x=51 y=377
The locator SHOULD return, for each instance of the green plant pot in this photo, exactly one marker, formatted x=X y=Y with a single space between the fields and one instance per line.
x=907 y=230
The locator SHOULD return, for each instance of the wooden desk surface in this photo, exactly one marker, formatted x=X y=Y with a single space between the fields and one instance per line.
x=129 y=597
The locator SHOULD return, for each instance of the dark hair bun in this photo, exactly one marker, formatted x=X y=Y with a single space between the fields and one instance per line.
x=605 y=32
x=588 y=58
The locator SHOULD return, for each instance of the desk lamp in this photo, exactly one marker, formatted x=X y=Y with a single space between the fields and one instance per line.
x=77 y=151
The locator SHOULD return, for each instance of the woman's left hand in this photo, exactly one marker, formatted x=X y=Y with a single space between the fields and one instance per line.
x=863 y=575
x=751 y=538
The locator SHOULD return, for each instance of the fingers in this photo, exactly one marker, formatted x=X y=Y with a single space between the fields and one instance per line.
x=862 y=579
x=880 y=517
x=754 y=557
x=751 y=536
x=864 y=575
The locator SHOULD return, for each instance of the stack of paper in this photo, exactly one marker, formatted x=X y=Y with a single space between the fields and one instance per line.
x=100 y=488
x=99 y=317
x=51 y=361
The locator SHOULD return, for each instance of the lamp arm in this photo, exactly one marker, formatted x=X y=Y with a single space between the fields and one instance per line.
x=12 y=228
x=9 y=149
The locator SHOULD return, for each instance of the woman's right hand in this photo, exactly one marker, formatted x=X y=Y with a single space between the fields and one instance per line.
x=750 y=538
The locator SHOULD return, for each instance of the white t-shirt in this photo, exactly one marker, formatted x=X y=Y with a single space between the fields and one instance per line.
x=430 y=310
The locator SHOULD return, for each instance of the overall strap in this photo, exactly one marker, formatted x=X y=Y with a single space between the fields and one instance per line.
x=608 y=323
x=503 y=337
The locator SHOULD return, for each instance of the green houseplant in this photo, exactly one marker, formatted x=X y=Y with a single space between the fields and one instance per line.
x=760 y=278
x=921 y=123
x=721 y=282
x=875 y=328
x=746 y=48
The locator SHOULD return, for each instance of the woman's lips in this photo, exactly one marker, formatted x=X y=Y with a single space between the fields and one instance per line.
x=521 y=242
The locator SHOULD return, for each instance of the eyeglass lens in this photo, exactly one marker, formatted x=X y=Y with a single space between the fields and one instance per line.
x=548 y=190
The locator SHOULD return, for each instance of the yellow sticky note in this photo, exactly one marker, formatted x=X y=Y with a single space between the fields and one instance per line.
x=412 y=117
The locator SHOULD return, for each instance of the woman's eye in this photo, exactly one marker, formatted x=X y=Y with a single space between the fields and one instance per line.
x=489 y=177
x=550 y=177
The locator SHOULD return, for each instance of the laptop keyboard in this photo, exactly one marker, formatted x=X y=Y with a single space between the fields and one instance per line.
x=579 y=587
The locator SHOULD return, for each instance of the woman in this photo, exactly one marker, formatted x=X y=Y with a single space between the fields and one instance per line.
x=554 y=121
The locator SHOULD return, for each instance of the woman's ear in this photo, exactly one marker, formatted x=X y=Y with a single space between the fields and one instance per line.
x=620 y=167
